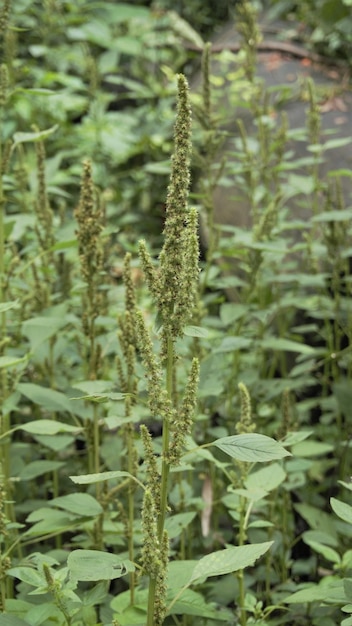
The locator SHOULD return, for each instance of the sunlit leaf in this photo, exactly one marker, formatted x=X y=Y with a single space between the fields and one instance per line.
x=253 y=448
x=228 y=560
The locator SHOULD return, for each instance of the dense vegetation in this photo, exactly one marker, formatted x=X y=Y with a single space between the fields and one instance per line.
x=170 y=453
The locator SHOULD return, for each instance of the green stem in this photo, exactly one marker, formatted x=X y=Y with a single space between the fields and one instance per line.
x=151 y=600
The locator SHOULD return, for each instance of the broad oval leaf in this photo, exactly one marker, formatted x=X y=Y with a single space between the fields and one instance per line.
x=267 y=478
x=253 y=448
x=228 y=560
x=78 y=503
x=92 y=565
x=343 y=510
x=48 y=427
x=50 y=399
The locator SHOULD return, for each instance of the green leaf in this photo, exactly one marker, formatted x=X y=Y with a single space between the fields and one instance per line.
x=78 y=503
x=328 y=553
x=333 y=216
x=39 y=136
x=178 y=575
x=230 y=312
x=267 y=478
x=313 y=593
x=252 y=448
x=343 y=510
x=27 y=575
x=63 y=245
x=48 y=427
x=193 y=603
x=317 y=519
x=49 y=521
x=338 y=142
x=327 y=592
x=296 y=437
x=311 y=448
x=196 y=331
x=37 y=92
x=55 y=442
x=121 y=605
x=94 y=387
x=286 y=345
x=347 y=585
x=228 y=560
x=12 y=620
x=39 y=329
x=102 y=397
x=50 y=399
x=88 y=479
x=176 y=524
x=39 y=468
x=230 y=344
x=11 y=361
x=94 y=565
x=343 y=392
x=320 y=537
x=6 y=306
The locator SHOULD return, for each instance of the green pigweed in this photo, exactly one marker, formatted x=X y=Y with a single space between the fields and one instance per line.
x=245 y=424
x=151 y=548
x=248 y=28
x=206 y=89
x=151 y=467
x=182 y=422
x=158 y=401
x=4 y=83
x=174 y=286
x=44 y=230
x=4 y=17
x=286 y=410
x=313 y=116
x=161 y=582
x=90 y=249
x=88 y=217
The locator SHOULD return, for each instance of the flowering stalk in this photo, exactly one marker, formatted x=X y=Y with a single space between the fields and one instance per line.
x=174 y=287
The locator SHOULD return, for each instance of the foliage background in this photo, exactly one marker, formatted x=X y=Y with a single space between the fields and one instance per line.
x=96 y=80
